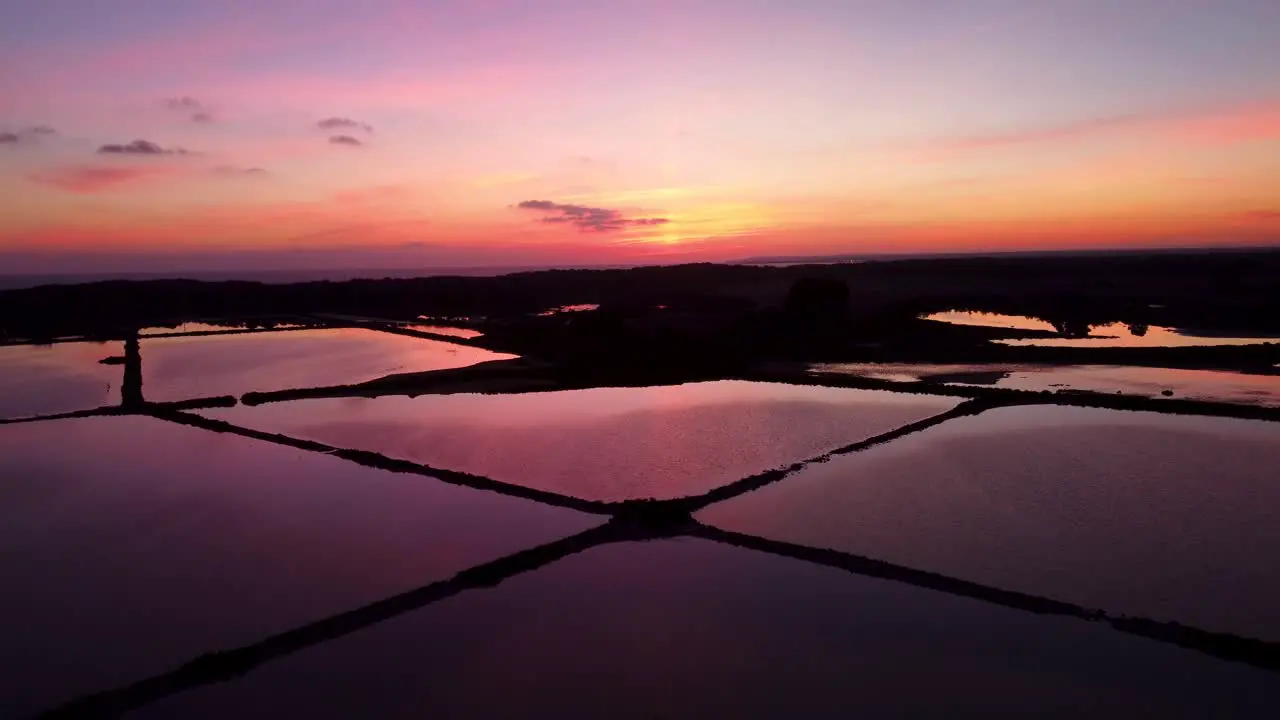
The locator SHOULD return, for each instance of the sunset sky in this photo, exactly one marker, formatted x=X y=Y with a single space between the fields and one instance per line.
x=163 y=134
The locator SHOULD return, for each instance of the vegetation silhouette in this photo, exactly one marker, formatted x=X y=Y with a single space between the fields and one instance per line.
x=714 y=315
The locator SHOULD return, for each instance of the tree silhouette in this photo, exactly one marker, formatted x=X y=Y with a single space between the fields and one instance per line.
x=815 y=299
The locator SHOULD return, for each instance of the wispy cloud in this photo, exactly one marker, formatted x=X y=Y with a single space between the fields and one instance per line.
x=195 y=110
x=237 y=171
x=26 y=135
x=342 y=123
x=1264 y=216
x=346 y=140
x=587 y=218
x=140 y=147
x=185 y=102
x=92 y=179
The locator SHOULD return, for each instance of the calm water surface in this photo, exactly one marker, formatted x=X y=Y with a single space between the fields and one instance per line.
x=608 y=443
x=446 y=330
x=565 y=309
x=1108 y=335
x=49 y=379
x=192 y=327
x=995 y=320
x=1122 y=335
x=130 y=545
x=1214 y=385
x=1210 y=385
x=691 y=629
x=1166 y=517
x=207 y=366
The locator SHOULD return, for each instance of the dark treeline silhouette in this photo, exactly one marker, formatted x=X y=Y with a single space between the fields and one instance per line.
x=1230 y=290
x=700 y=321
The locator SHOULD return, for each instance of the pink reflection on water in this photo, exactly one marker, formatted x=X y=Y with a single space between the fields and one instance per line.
x=129 y=545
x=1167 y=517
x=995 y=320
x=1213 y=385
x=446 y=330
x=1210 y=385
x=192 y=327
x=206 y=366
x=694 y=629
x=1122 y=335
x=1109 y=335
x=566 y=309
x=606 y=443
x=43 y=380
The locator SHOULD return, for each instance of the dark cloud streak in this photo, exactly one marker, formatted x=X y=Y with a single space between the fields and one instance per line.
x=184 y=103
x=236 y=171
x=588 y=219
x=139 y=147
x=342 y=123
x=346 y=140
x=195 y=110
x=28 y=134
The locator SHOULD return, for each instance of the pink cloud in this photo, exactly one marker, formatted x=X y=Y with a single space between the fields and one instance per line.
x=94 y=179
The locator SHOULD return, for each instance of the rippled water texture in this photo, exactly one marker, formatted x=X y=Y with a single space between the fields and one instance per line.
x=603 y=444
x=1167 y=517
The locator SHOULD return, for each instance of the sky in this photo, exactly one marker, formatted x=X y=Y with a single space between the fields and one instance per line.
x=225 y=134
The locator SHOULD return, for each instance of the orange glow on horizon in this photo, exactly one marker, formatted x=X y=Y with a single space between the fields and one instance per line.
x=477 y=132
